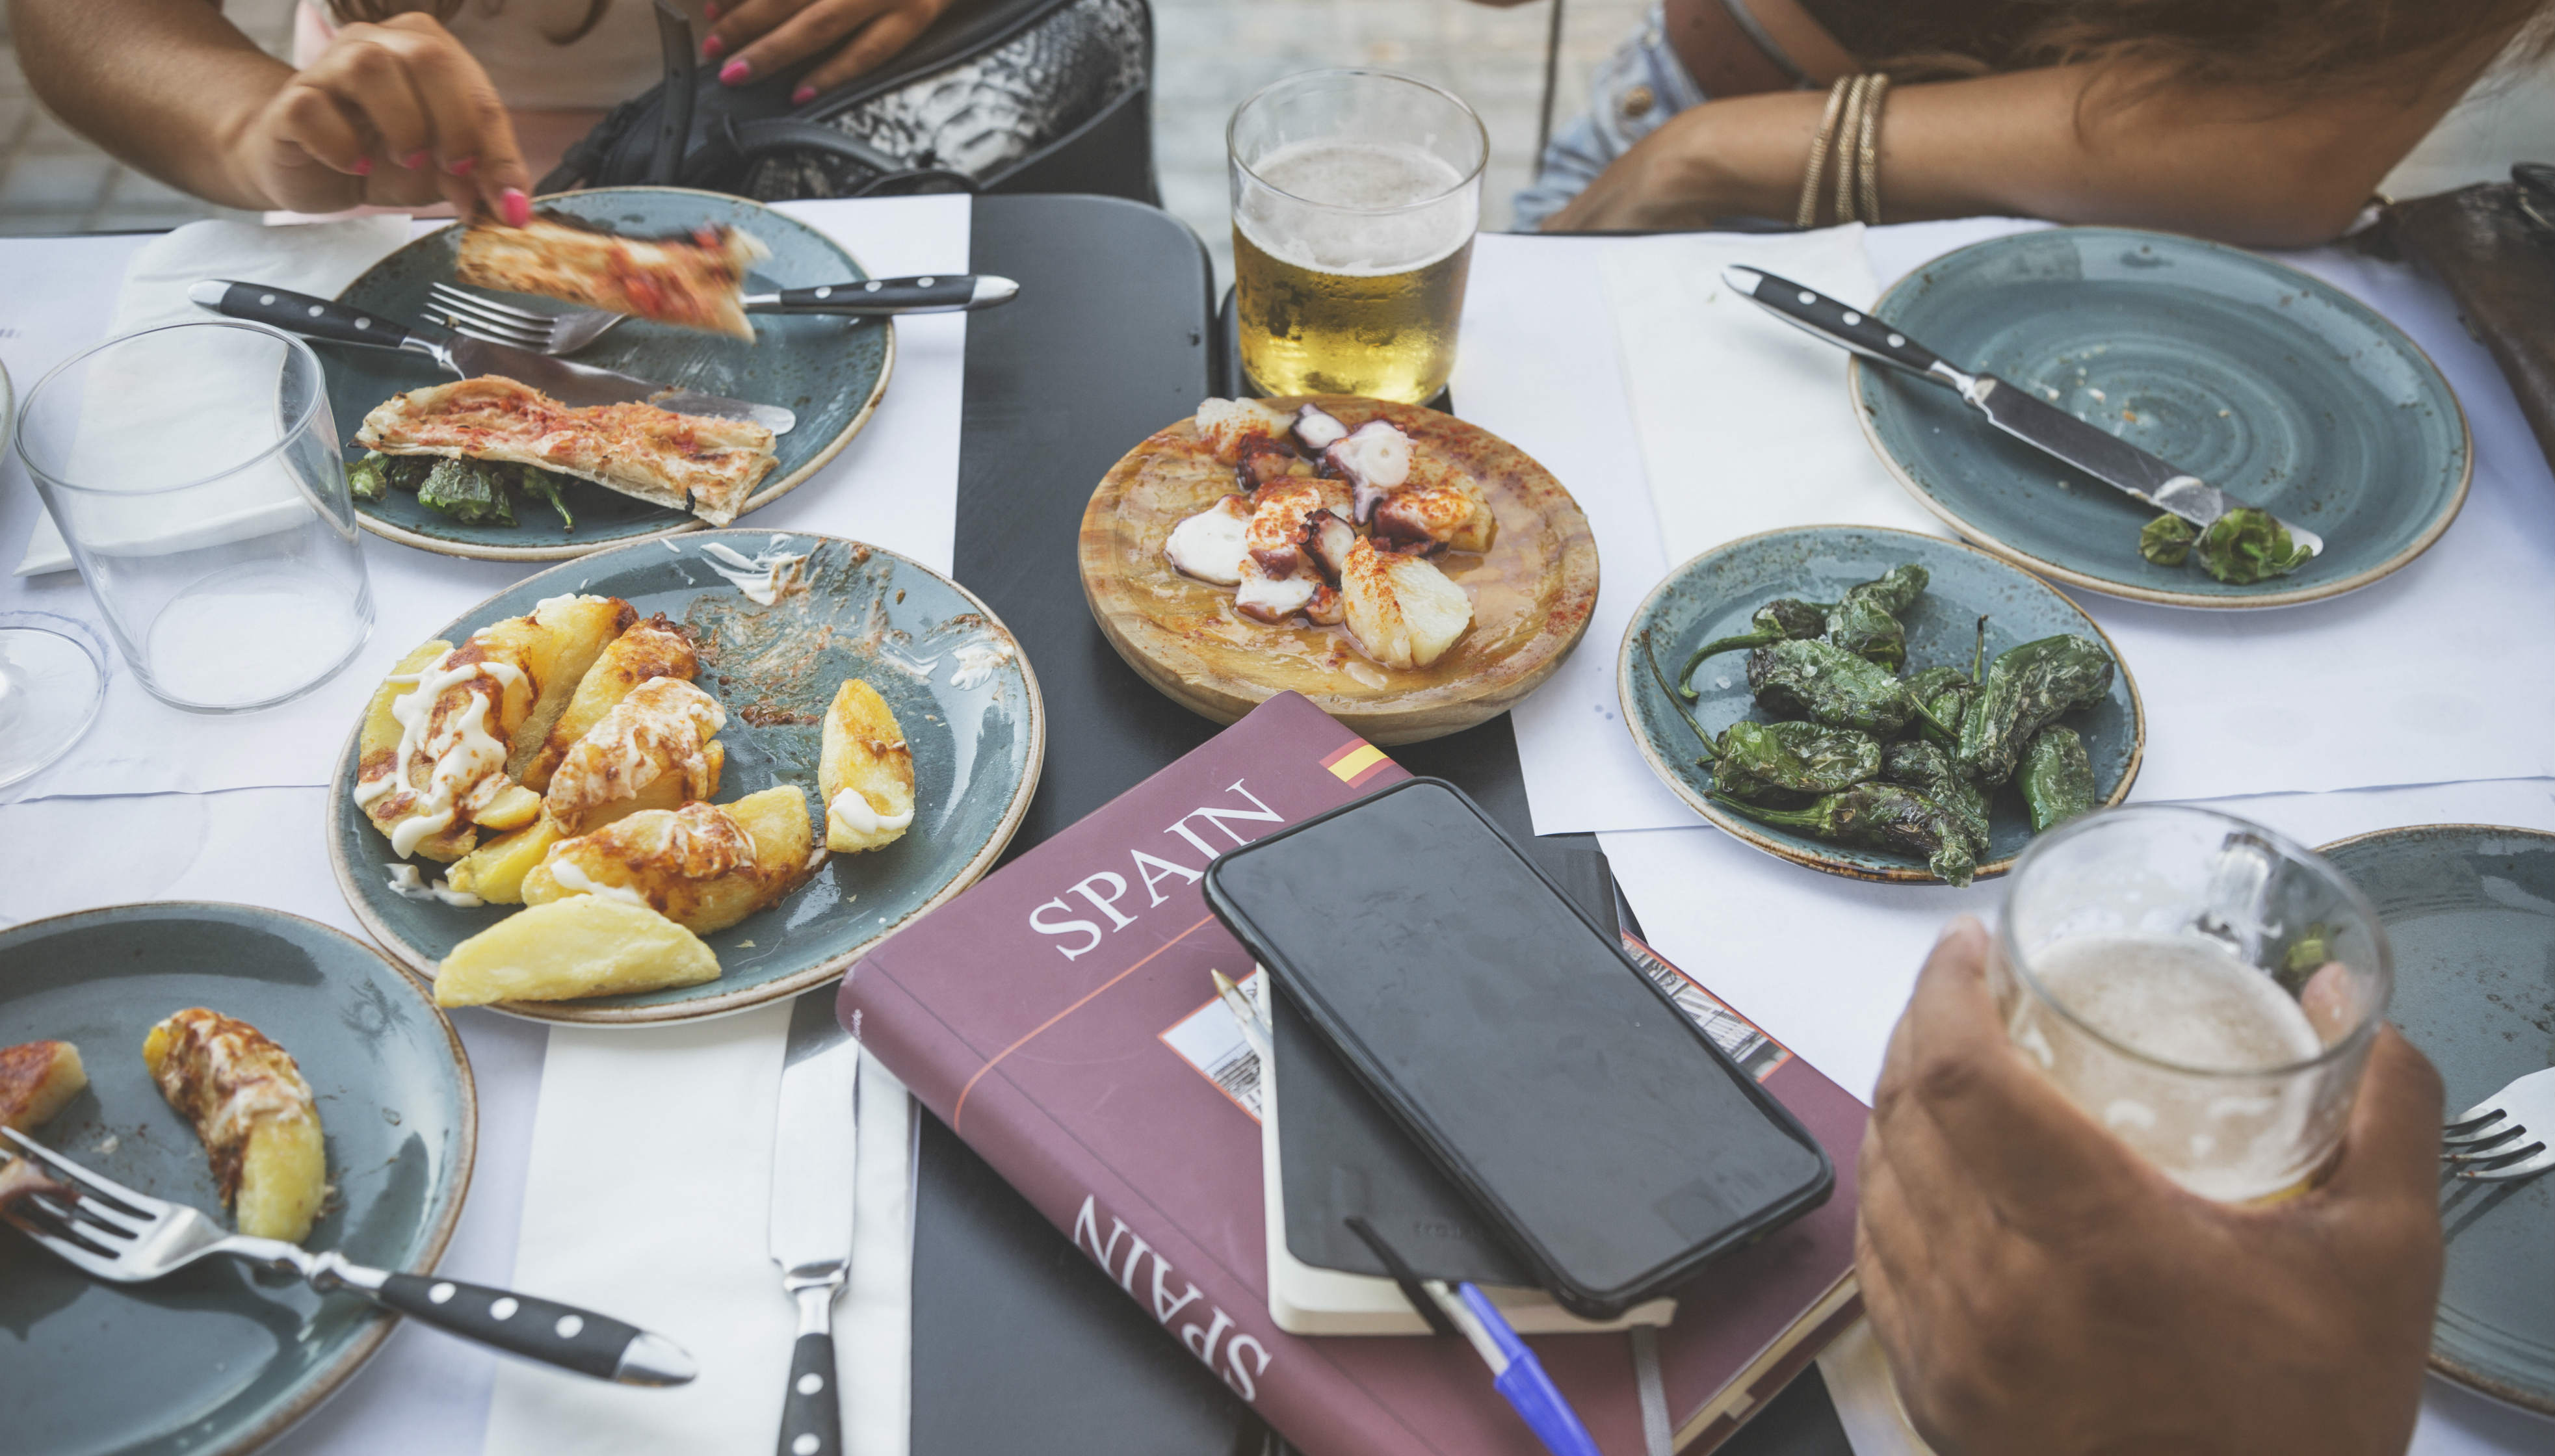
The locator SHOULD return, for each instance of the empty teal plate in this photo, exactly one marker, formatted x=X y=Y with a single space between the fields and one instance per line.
x=2266 y=383
x=830 y=370
x=948 y=668
x=1711 y=596
x=2471 y=911
x=218 y=1358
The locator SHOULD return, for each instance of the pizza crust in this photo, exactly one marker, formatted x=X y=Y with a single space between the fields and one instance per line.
x=685 y=462
x=692 y=283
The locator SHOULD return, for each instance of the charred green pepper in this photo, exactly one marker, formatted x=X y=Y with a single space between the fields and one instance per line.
x=2167 y=540
x=1825 y=683
x=364 y=479
x=1927 y=769
x=545 y=485
x=1755 y=759
x=2247 y=546
x=1864 y=621
x=469 y=491
x=1885 y=817
x=2057 y=778
x=1780 y=620
x=2026 y=689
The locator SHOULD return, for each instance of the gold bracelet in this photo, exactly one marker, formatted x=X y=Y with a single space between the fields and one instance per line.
x=1857 y=96
x=1807 y=214
x=1867 y=152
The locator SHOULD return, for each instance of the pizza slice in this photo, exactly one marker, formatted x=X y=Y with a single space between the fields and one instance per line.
x=696 y=462
x=694 y=281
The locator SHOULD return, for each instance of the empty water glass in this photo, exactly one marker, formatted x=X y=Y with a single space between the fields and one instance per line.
x=196 y=473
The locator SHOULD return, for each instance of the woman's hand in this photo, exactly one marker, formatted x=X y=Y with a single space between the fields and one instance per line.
x=763 y=36
x=2041 y=1290
x=397 y=115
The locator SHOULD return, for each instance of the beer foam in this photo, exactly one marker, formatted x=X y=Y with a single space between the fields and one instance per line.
x=2187 y=1002
x=1405 y=207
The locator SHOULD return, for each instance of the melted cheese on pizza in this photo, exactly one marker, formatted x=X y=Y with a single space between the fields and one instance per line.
x=693 y=282
x=693 y=462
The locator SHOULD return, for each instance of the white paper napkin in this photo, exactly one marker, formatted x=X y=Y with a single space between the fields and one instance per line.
x=649 y=1199
x=318 y=259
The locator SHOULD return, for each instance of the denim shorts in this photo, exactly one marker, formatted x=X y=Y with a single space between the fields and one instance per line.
x=1637 y=88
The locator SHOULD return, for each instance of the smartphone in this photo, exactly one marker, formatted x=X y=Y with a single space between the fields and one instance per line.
x=1585 y=1116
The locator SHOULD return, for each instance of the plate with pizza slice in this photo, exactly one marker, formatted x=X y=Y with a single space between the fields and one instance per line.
x=675 y=255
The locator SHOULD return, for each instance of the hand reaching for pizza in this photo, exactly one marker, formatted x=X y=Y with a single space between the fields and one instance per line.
x=397 y=115
x=758 y=37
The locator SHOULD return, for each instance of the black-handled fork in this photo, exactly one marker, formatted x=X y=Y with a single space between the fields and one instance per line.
x=113 y=1233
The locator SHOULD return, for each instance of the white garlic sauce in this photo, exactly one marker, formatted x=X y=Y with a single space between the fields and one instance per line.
x=761 y=578
x=577 y=882
x=407 y=885
x=462 y=755
x=977 y=662
x=850 y=814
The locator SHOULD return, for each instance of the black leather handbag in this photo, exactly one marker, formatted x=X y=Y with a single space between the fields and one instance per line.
x=997 y=96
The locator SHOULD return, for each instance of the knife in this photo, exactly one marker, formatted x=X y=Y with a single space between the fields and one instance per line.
x=942 y=294
x=2089 y=447
x=467 y=358
x=813 y=1152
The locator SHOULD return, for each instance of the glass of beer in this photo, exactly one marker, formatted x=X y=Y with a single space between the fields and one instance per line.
x=1356 y=194
x=2199 y=985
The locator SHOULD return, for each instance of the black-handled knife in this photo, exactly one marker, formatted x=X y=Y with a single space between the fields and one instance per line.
x=2089 y=448
x=536 y=1329
x=927 y=293
x=816 y=1149
x=468 y=358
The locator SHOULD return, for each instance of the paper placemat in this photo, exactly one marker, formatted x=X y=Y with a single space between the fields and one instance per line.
x=894 y=485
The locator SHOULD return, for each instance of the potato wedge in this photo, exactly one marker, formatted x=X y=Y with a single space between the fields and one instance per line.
x=703 y=866
x=864 y=756
x=656 y=648
x=35 y=1080
x=495 y=871
x=662 y=730
x=465 y=704
x=255 y=1113
x=510 y=807
x=584 y=946
x=569 y=635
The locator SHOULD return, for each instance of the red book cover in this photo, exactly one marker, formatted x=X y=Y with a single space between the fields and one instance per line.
x=1027 y=1013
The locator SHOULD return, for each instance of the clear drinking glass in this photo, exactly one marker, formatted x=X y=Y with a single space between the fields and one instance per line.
x=2201 y=986
x=195 y=471
x=1356 y=194
x=52 y=673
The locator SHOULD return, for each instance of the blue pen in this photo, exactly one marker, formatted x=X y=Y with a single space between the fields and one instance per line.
x=1515 y=1372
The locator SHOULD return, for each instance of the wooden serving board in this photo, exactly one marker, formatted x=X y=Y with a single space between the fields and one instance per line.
x=1532 y=591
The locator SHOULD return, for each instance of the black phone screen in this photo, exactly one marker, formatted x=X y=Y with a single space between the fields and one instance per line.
x=1609 y=1140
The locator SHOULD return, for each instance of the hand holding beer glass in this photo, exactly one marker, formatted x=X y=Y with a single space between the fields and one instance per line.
x=1356 y=194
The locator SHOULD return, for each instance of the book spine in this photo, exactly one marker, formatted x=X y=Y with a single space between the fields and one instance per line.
x=1220 y=1319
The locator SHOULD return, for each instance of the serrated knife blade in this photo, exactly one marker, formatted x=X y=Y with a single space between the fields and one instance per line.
x=815 y=1151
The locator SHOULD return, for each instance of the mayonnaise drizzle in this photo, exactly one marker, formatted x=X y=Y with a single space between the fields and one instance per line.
x=977 y=662
x=406 y=884
x=761 y=578
x=850 y=814
x=577 y=882
x=464 y=753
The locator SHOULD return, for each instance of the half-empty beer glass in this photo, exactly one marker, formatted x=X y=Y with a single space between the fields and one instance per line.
x=2199 y=985
x=1356 y=194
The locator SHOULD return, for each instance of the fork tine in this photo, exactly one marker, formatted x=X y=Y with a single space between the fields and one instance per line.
x=91 y=1211
x=2482 y=1109
x=489 y=335
x=498 y=329
x=2509 y=1138
x=447 y=308
x=123 y=1199
x=54 y=1233
x=468 y=300
x=2530 y=1163
x=2492 y=1132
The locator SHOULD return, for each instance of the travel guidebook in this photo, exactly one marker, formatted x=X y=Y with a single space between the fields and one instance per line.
x=1049 y=1016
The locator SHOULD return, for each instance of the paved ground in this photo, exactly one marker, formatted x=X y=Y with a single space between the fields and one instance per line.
x=1212 y=53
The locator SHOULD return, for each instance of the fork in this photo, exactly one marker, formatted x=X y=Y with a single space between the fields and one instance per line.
x=570 y=329
x=113 y=1233
x=2494 y=1139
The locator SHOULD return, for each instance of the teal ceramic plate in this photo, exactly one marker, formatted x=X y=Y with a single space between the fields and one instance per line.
x=2266 y=383
x=1711 y=597
x=2471 y=911
x=830 y=370
x=947 y=666
x=218 y=1358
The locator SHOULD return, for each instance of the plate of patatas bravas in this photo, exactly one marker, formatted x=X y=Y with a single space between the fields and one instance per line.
x=683 y=778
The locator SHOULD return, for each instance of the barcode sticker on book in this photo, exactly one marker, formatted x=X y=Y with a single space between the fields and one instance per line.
x=1757 y=1053
x=1211 y=1040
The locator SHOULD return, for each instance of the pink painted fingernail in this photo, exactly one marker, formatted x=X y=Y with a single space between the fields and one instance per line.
x=735 y=72
x=414 y=160
x=363 y=166
x=803 y=95
x=712 y=48
x=710 y=12
x=519 y=208
x=463 y=166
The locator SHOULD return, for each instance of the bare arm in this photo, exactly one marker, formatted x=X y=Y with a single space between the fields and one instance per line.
x=2231 y=165
x=396 y=114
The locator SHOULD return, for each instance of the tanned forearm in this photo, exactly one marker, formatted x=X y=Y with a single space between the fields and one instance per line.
x=167 y=85
x=2239 y=167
